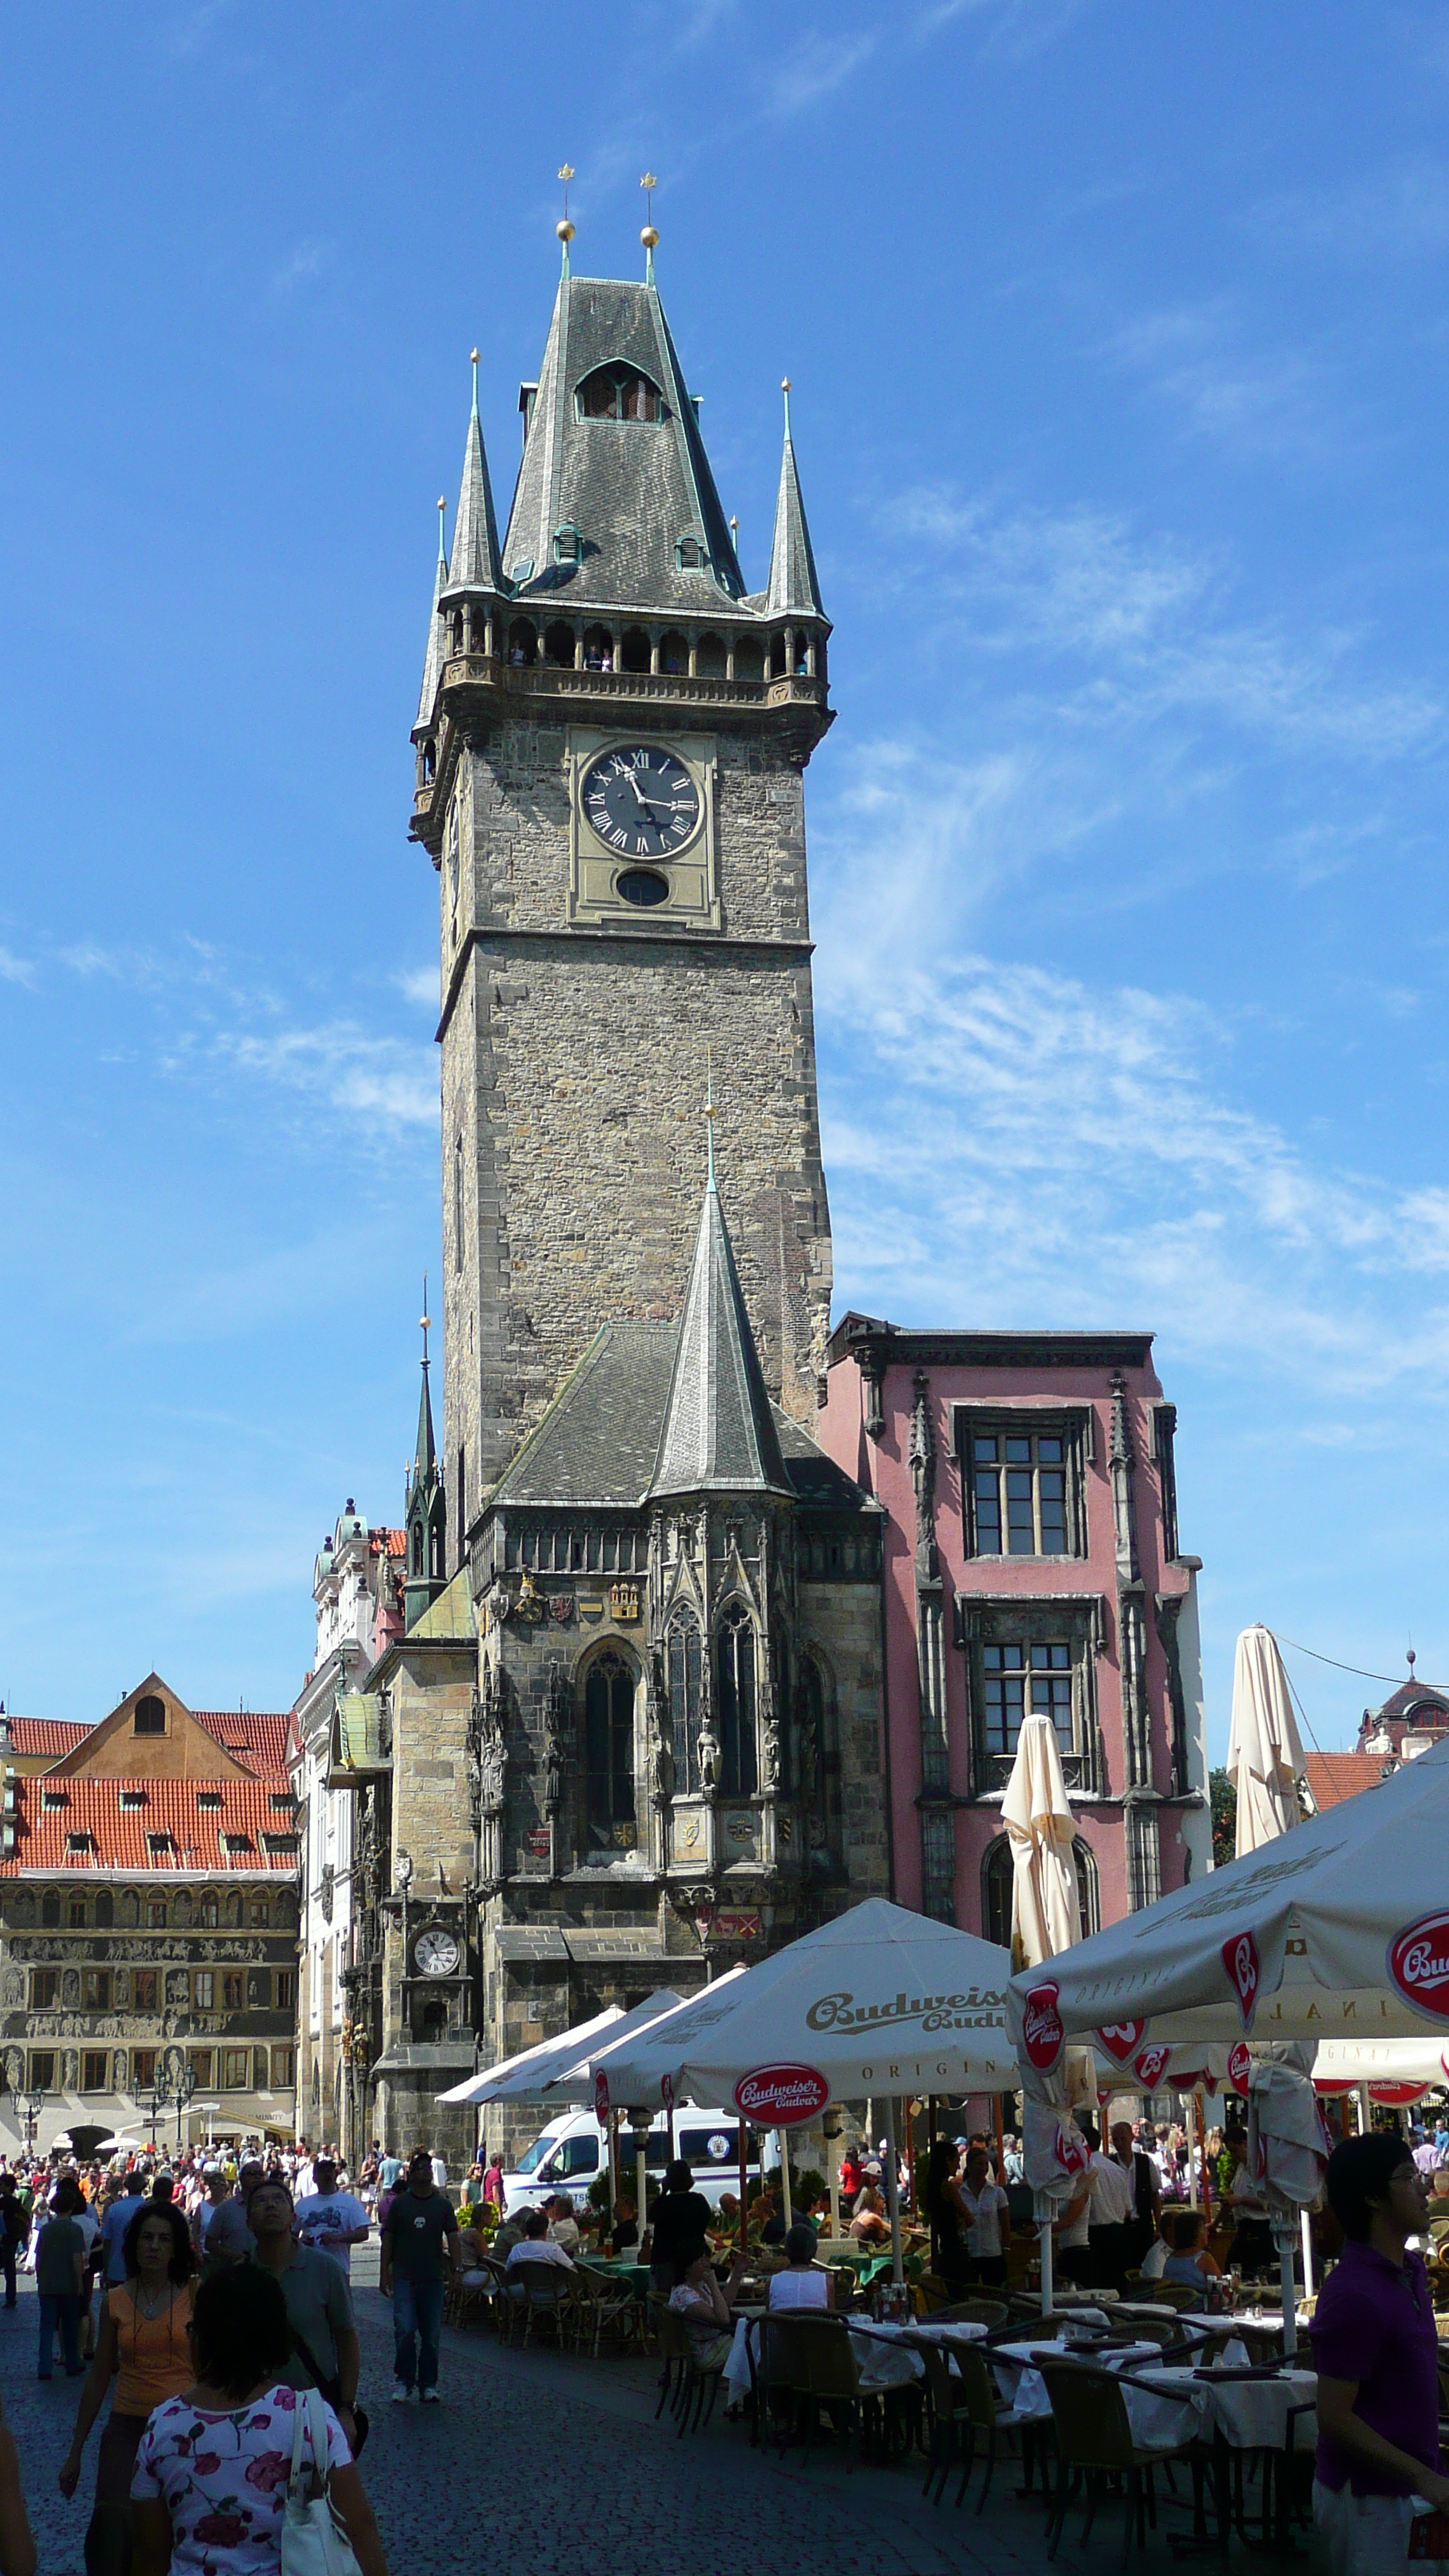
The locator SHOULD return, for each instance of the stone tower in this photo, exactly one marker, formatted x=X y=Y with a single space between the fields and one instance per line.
x=611 y=744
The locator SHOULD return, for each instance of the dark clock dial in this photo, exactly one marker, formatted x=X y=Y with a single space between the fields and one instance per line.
x=641 y=801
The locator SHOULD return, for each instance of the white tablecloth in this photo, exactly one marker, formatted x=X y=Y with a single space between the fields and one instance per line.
x=1249 y=2413
x=882 y=2359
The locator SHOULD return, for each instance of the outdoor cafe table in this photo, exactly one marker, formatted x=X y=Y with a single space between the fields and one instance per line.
x=882 y=2357
x=1250 y=2414
x=634 y=2275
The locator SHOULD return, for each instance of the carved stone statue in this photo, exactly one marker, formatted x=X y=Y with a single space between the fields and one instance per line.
x=661 y=1768
x=709 y=1758
x=770 y=1757
x=494 y=1772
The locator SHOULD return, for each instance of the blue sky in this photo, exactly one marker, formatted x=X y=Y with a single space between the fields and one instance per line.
x=1119 y=337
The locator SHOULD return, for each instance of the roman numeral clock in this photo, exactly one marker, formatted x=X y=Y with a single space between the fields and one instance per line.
x=642 y=815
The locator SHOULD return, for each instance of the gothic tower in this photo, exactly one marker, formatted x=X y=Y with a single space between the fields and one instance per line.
x=611 y=744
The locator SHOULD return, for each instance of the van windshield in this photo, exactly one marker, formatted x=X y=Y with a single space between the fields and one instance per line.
x=532 y=2157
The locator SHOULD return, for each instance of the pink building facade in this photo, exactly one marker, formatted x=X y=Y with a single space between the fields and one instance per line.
x=1032 y=1561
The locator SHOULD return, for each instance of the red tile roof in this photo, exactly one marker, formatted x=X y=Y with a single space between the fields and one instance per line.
x=117 y=1834
x=51 y=1735
x=396 y=1542
x=255 y=1737
x=1332 y=1777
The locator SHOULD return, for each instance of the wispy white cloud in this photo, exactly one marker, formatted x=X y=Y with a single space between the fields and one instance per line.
x=418 y=984
x=340 y=1065
x=1256 y=405
x=817 y=66
x=1152 y=619
x=302 y=267
x=15 y=970
x=1402 y=212
x=1014 y=30
x=1007 y=1143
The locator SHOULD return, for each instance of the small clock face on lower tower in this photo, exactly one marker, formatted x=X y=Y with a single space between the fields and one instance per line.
x=641 y=801
x=435 y=1953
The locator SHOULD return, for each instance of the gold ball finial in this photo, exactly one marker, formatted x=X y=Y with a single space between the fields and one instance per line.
x=564 y=230
x=426 y=1322
x=649 y=237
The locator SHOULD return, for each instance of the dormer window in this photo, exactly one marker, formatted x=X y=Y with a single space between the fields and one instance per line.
x=689 y=555
x=235 y=1844
x=568 y=545
x=158 y=1846
x=78 y=1843
x=208 y=1798
x=619 y=393
x=52 y=1799
x=150 y=1716
x=132 y=1798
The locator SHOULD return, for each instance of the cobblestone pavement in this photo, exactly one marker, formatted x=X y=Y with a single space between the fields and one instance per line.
x=552 y=2465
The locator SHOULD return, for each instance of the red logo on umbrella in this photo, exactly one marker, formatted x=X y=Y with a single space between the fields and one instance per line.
x=1395 y=2097
x=601 y=2096
x=1119 y=2038
x=1240 y=1958
x=1071 y=2151
x=775 y=2096
x=1042 y=2034
x=1419 y=1964
x=1148 y=2067
x=1238 y=2064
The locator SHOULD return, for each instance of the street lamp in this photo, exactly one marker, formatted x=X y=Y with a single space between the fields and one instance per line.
x=185 y=2086
x=32 y=2106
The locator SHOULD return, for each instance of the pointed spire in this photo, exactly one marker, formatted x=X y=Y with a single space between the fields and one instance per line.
x=793 y=582
x=433 y=658
x=475 y=563
x=425 y=1511
x=719 y=1433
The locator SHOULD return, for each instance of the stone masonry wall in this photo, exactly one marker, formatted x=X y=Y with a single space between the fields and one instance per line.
x=573 y=1082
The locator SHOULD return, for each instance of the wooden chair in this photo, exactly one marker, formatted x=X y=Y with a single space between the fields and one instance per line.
x=805 y=2354
x=547 y=2300
x=603 y=2306
x=1095 y=2441
x=1176 y=2294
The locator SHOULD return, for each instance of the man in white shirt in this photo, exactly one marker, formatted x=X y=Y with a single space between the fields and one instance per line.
x=563 y=2227
x=1126 y=2206
x=332 y=2220
x=534 y=2246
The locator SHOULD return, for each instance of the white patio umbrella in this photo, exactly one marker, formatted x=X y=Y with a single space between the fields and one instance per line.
x=879 y=2002
x=523 y=2078
x=1037 y=1814
x=1265 y=1756
x=1339 y=1930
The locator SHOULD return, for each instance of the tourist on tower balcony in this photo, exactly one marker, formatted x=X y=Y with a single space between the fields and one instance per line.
x=143 y=2345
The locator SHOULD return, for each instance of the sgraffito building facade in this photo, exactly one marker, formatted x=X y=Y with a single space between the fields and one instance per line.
x=149 y=1923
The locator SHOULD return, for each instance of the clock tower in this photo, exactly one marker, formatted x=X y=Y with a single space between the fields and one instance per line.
x=611 y=744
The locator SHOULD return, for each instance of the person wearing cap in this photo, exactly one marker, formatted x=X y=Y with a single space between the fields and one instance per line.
x=332 y=2220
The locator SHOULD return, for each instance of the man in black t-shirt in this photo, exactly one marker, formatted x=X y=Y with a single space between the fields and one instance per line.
x=680 y=2217
x=420 y=2245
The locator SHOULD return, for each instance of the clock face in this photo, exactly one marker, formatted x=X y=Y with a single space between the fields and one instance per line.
x=435 y=1953
x=641 y=801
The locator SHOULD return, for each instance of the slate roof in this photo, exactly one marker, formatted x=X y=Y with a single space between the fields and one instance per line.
x=433 y=658
x=793 y=580
x=117 y=1834
x=596 y=1447
x=718 y=1434
x=632 y=488
x=1414 y=1700
x=55 y=1736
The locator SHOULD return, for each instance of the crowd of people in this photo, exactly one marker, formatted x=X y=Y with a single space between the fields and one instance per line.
x=206 y=2306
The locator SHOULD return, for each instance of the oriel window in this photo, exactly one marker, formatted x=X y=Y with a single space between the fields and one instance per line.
x=739 y=1772
x=685 y=1703
x=609 y=1754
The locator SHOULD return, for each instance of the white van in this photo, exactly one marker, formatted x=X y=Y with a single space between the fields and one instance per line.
x=574 y=2150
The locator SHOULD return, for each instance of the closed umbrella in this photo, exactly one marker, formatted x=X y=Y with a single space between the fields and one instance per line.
x=1037 y=1814
x=1265 y=1756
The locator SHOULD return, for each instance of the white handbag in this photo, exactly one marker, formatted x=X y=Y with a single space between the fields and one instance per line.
x=313 y=2541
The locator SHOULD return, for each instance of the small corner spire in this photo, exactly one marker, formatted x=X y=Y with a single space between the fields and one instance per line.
x=473 y=362
x=794 y=584
x=563 y=228
x=442 y=530
x=710 y=1115
x=785 y=390
x=649 y=237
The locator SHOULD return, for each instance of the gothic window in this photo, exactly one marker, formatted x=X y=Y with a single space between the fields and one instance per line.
x=210 y=1916
x=150 y=1716
x=735 y=1664
x=77 y=1913
x=674 y=654
x=1022 y=1485
x=780 y=1677
x=50 y=1910
x=996 y=1881
x=156 y=1913
x=749 y=658
x=609 y=1753
x=686 y=1702
x=105 y=1909
x=1026 y=1680
x=522 y=641
x=619 y=393
x=820 y=1719
x=558 y=639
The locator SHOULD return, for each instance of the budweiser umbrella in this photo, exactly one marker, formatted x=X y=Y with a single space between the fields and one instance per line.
x=1265 y=1757
x=879 y=2002
x=1037 y=1814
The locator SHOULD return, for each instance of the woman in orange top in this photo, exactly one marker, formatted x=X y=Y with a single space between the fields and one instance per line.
x=143 y=2343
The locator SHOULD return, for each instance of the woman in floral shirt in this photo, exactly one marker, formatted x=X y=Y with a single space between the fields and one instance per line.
x=210 y=2484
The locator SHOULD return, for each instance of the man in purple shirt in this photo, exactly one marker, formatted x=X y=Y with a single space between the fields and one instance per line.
x=1378 y=2363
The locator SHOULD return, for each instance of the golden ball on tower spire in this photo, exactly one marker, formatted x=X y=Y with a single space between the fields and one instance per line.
x=649 y=237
